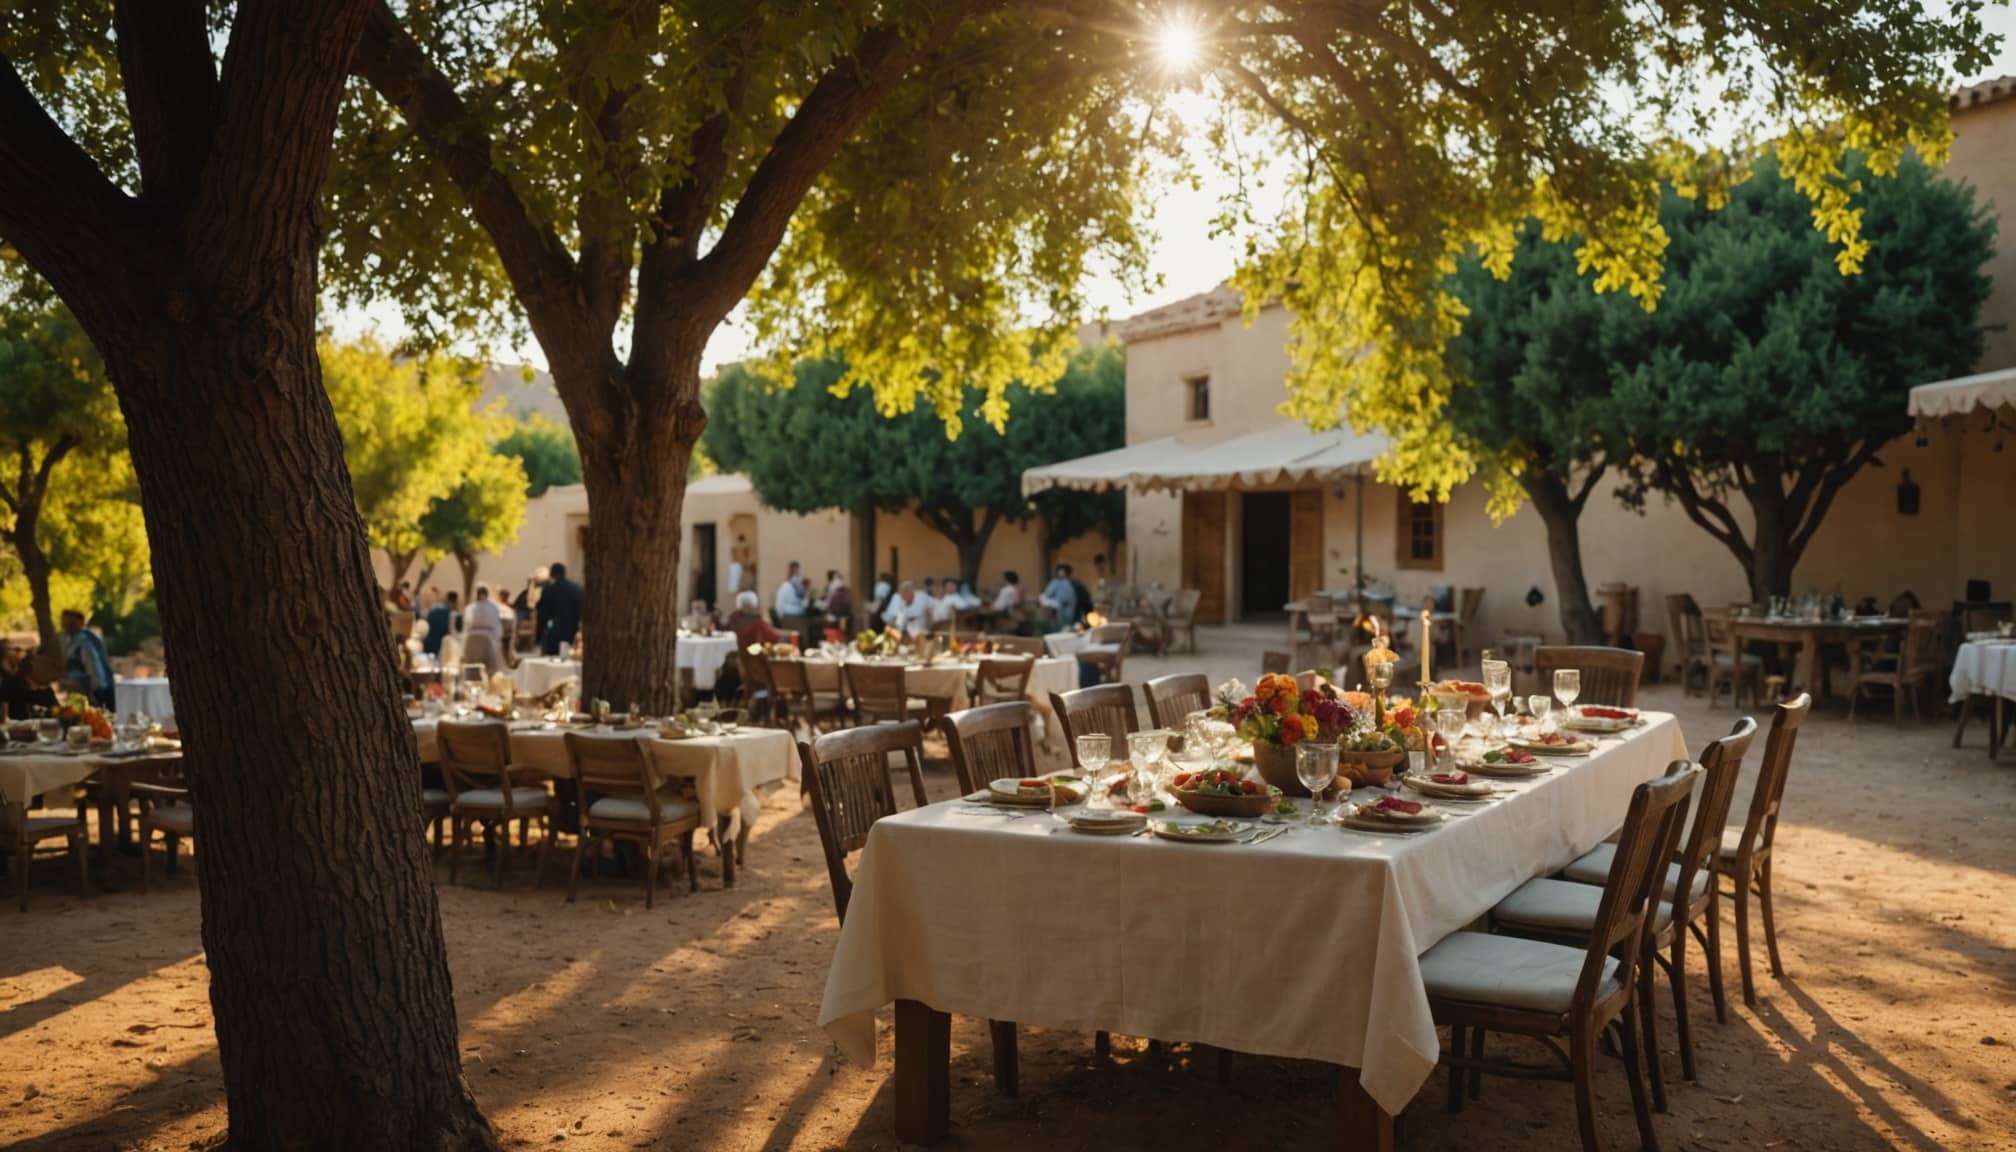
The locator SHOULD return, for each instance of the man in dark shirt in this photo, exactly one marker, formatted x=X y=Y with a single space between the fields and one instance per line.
x=442 y=619
x=559 y=612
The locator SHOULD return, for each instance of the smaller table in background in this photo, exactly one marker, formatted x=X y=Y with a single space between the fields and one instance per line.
x=147 y=694
x=538 y=675
x=706 y=656
x=1808 y=635
x=1984 y=667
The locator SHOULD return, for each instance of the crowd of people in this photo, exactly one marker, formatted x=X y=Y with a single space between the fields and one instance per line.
x=549 y=602
x=30 y=681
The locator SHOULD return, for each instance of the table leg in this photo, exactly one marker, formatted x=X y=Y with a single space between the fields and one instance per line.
x=1808 y=668
x=1367 y=1127
x=727 y=847
x=1967 y=712
x=923 y=1073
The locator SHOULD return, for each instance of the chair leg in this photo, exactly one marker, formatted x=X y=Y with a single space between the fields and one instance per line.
x=1006 y=1079
x=545 y=847
x=1764 y=906
x=457 y=829
x=1102 y=1045
x=80 y=847
x=650 y=872
x=1456 y=1045
x=502 y=850
x=1648 y=1139
x=1676 y=975
x=1713 y=948
x=146 y=864
x=692 y=863
x=1476 y=1057
x=1743 y=933
x=1648 y=1007
x=1582 y=1059
x=574 y=872
x=22 y=853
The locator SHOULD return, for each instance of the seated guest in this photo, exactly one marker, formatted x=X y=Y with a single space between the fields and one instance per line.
x=22 y=690
x=748 y=624
x=1061 y=597
x=960 y=595
x=910 y=610
x=839 y=602
x=699 y=618
x=1009 y=598
x=940 y=611
x=441 y=620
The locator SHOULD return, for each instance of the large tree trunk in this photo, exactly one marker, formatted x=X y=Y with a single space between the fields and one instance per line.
x=634 y=464
x=1562 y=515
x=35 y=569
x=1771 y=554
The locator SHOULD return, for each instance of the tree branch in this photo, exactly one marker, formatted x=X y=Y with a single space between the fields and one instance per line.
x=1709 y=513
x=1581 y=497
x=171 y=93
x=607 y=226
x=1836 y=478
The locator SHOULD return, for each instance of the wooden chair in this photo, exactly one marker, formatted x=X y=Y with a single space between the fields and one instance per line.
x=1564 y=908
x=999 y=679
x=622 y=799
x=433 y=807
x=1107 y=708
x=1172 y=698
x=1017 y=645
x=847 y=775
x=1469 y=600
x=755 y=687
x=792 y=699
x=991 y=742
x=1559 y=991
x=36 y=828
x=1904 y=669
x=1690 y=640
x=1609 y=675
x=1112 y=640
x=1737 y=670
x=1276 y=663
x=1319 y=630
x=484 y=789
x=1182 y=619
x=1744 y=855
x=878 y=692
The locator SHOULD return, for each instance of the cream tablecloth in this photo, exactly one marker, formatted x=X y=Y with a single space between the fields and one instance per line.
x=1303 y=947
x=24 y=776
x=705 y=655
x=1984 y=668
x=147 y=694
x=944 y=681
x=537 y=675
x=726 y=770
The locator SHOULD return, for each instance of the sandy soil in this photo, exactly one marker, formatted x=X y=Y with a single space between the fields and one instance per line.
x=598 y=1025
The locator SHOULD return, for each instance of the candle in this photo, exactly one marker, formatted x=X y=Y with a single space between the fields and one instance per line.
x=1427 y=639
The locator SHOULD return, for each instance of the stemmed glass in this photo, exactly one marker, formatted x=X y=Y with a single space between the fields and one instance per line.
x=1498 y=682
x=1567 y=686
x=1449 y=723
x=1145 y=750
x=1094 y=750
x=1542 y=708
x=1316 y=768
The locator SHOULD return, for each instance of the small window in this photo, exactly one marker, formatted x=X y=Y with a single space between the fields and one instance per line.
x=1199 y=391
x=1419 y=535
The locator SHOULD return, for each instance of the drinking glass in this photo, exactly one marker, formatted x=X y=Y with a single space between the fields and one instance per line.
x=80 y=737
x=1543 y=708
x=1449 y=723
x=1145 y=751
x=1316 y=768
x=1567 y=686
x=48 y=731
x=1094 y=750
x=1498 y=682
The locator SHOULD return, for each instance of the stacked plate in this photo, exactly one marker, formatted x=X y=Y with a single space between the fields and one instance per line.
x=1108 y=822
x=1505 y=769
x=1445 y=786
x=1389 y=815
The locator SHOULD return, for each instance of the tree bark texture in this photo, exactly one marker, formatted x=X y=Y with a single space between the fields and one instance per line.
x=328 y=972
x=1561 y=512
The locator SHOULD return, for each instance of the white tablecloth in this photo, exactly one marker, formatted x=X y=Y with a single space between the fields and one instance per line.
x=537 y=675
x=705 y=655
x=147 y=694
x=1302 y=947
x=1984 y=668
x=946 y=680
x=726 y=770
x=24 y=776
x=1063 y=643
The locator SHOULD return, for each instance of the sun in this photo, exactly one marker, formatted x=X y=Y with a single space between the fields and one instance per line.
x=1178 y=44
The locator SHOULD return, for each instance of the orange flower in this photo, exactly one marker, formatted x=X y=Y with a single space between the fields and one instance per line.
x=1293 y=728
x=1358 y=701
x=1282 y=704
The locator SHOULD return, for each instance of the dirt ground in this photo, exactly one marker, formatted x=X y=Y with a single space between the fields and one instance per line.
x=598 y=1025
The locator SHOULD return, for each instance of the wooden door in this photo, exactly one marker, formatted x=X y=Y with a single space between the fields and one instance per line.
x=1305 y=542
x=1204 y=553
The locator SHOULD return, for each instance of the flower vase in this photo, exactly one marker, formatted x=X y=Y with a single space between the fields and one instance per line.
x=1276 y=765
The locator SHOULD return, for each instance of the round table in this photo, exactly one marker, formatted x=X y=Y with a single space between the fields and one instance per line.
x=539 y=674
x=147 y=694
x=706 y=656
x=1983 y=668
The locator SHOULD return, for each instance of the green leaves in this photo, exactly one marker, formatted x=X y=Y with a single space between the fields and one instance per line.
x=544 y=450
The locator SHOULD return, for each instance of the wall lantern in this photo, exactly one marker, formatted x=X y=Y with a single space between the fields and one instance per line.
x=1907 y=495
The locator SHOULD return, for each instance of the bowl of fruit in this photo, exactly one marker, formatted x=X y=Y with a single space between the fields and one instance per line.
x=1223 y=791
x=1475 y=697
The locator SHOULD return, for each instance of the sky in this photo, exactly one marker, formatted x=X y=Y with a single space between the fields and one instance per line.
x=1184 y=259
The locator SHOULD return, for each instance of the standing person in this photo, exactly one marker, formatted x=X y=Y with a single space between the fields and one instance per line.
x=790 y=599
x=735 y=554
x=1061 y=597
x=85 y=664
x=558 y=614
x=839 y=604
x=441 y=620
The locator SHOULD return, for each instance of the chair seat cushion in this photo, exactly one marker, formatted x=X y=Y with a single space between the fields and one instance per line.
x=177 y=818
x=1557 y=907
x=1594 y=868
x=1507 y=972
x=632 y=810
x=44 y=827
x=433 y=796
x=1732 y=842
x=1750 y=660
x=524 y=798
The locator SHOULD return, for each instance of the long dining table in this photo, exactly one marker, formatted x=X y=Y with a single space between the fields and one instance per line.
x=1303 y=946
x=28 y=770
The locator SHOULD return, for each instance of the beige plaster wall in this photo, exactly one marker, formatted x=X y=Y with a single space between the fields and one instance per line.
x=1983 y=157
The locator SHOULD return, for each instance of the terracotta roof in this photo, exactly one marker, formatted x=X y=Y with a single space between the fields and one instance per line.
x=1200 y=311
x=1986 y=92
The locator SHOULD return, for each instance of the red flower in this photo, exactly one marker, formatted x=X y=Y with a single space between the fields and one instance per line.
x=1404 y=717
x=1282 y=705
x=1293 y=728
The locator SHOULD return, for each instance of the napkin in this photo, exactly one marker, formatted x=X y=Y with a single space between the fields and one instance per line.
x=1457 y=778
x=1395 y=804
x=1598 y=712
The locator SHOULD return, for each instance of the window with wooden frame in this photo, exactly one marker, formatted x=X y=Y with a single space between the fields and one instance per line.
x=1418 y=535
x=1197 y=393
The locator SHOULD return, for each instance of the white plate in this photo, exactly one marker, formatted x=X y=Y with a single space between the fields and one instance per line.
x=1579 y=748
x=1475 y=790
x=1376 y=824
x=1007 y=790
x=1427 y=815
x=1108 y=823
x=1176 y=832
x=1507 y=771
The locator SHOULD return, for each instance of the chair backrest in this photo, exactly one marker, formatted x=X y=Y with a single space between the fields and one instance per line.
x=1683 y=621
x=991 y=742
x=473 y=755
x=1637 y=872
x=848 y=776
x=1609 y=675
x=1274 y=663
x=1185 y=608
x=1107 y=708
x=1715 y=622
x=1171 y=698
x=1001 y=678
x=1017 y=645
x=606 y=766
x=1761 y=825
x=1921 y=641
x=878 y=690
x=481 y=648
x=1117 y=632
x=1985 y=617
x=1721 y=764
x=787 y=677
x=755 y=671
x=1466 y=607
x=1319 y=604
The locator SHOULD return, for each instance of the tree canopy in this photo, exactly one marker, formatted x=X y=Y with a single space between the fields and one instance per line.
x=481 y=513
x=545 y=450
x=810 y=447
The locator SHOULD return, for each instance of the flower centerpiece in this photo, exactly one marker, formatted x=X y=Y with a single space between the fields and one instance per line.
x=1368 y=752
x=78 y=709
x=883 y=643
x=1281 y=714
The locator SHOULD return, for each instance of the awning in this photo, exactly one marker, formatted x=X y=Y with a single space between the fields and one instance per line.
x=1289 y=455
x=1959 y=396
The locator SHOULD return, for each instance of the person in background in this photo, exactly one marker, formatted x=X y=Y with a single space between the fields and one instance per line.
x=85 y=664
x=959 y=595
x=839 y=603
x=442 y=619
x=22 y=691
x=909 y=610
x=483 y=616
x=558 y=613
x=403 y=598
x=748 y=624
x=791 y=598
x=939 y=612
x=1061 y=597
x=699 y=618
x=1008 y=601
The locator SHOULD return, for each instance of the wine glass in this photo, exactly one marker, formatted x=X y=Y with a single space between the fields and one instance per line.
x=1567 y=686
x=1498 y=682
x=1542 y=707
x=1316 y=768
x=1449 y=723
x=1094 y=750
x=1145 y=750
